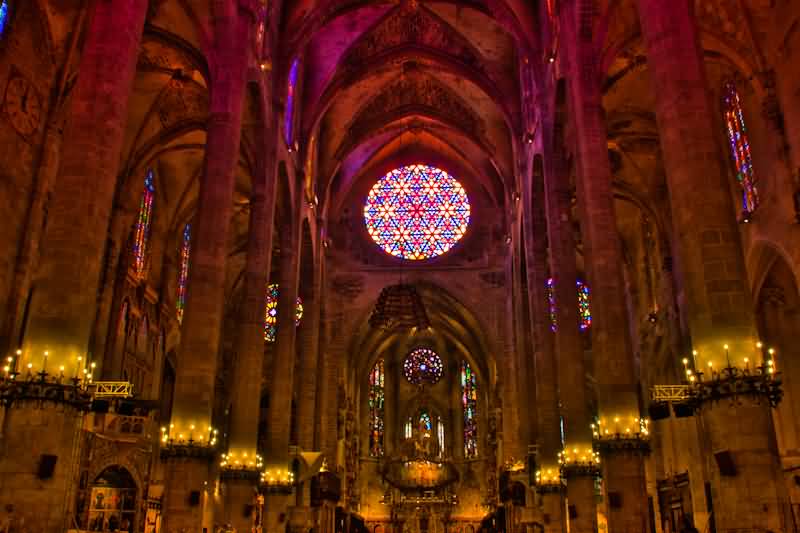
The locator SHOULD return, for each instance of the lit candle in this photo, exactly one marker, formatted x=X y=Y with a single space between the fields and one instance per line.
x=44 y=363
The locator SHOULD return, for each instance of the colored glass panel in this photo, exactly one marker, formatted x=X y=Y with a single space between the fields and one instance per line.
x=291 y=90
x=584 y=305
x=183 y=272
x=469 y=407
x=424 y=424
x=423 y=367
x=144 y=222
x=740 y=147
x=271 y=316
x=3 y=17
x=376 y=409
x=417 y=212
x=551 y=303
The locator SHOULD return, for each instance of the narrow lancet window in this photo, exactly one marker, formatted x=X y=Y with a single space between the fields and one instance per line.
x=144 y=222
x=376 y=409
x=183 y=271
x=740 y=148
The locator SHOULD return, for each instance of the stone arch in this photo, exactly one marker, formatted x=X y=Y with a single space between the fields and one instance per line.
x=123 y=475
x=778 y=314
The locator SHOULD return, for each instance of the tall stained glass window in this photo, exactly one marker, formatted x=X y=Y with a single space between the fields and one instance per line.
x=740 y=147
x=417 y=212
x=183 y=271
x=4 y=15
x=584 y=305
x=144 y=222
x=469 y=406
x=376 y=409
x=291 y=90
x=423 y=366
x=271 y=317
x=551 y=303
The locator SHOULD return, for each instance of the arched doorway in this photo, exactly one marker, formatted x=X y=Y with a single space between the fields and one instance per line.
x=112 y=504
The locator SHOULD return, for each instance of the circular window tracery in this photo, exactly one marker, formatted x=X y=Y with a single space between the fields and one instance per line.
x=417 y=212
x=423 y=366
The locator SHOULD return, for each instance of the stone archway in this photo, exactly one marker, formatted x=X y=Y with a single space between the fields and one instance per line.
x=778 y=312
x=113 y=501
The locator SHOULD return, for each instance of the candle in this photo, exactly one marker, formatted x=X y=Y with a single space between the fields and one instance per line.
x=44 y=363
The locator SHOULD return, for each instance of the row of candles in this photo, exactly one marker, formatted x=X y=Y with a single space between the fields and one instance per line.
x=83 y=373
x=767 y=364
x=188 y=436
x=621 y=428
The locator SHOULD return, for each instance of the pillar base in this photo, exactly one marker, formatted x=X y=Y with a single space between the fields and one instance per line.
x=552 y=502
x=38 y=466
x=581 y=504
x=190 y=492
x=276 y=510
x=241 y=499
x=626 y=488
x=748 y=490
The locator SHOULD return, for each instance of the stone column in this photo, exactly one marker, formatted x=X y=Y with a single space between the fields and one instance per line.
x=309 y=350
x=62 y=307
x=63 y=304
x=544 y=360
x=715 y=295
x=242 y=474
x=277 y=460
x=188 y=477
x=617 y=386
x=571 y=370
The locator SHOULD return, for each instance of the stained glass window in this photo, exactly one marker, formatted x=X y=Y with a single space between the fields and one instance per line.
x=376 y=399
x=423 y=367
x=740 y=147
x=424 y=424
x=291 y=90
x=144 y=222
x=584 y=305
x=183 y=271
x=469 y=406
x=440 y=434
x=3 y=17
x=417 y=212
x=271 y=318
x=551 y=303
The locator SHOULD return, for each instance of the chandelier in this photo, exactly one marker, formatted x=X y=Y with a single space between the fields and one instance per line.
x=399 y=306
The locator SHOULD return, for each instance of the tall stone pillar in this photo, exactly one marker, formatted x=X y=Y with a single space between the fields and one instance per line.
x=62 y=305
x=578 y=460
x=43 y=421
x=309 y=332
x=190 y=445
x=713 y=287
x=617 y=385
x=242 y=471
x=544 y=357
x=277 y=461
